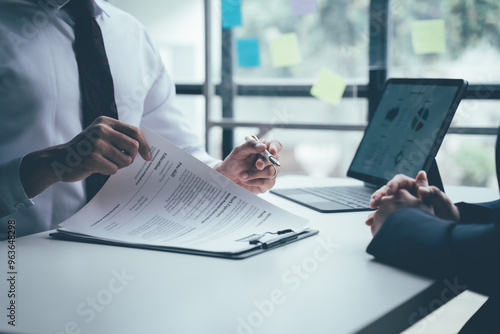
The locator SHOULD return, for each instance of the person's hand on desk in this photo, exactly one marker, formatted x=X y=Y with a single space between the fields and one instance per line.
x=399 y=181
x=247 y=168
x=417 y=193
x=103 y=147
x=388 y=204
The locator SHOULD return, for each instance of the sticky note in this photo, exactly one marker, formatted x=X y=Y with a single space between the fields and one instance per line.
x=231 y=13
x=303 y=7
x=329 y=87
x=428 y=36
x=285 y=50
x=248 y=52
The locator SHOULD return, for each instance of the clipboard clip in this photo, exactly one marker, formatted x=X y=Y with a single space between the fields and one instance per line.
x=265 y=245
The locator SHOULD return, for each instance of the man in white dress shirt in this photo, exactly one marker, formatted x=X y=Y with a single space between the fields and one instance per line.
x=41 y=117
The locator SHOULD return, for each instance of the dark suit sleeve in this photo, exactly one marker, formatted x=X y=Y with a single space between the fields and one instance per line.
x=420 y=242
x=479 y=212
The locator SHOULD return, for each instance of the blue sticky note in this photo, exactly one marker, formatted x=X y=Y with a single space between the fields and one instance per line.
x=248 y=52
x=231 y=13
x=303 y=7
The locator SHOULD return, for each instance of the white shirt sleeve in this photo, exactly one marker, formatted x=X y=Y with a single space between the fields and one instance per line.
x=163 y=116
x=13 y=198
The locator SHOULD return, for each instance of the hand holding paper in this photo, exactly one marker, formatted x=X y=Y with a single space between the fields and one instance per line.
x=104 y=147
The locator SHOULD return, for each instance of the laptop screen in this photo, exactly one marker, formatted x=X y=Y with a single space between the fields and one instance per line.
x=407 y=128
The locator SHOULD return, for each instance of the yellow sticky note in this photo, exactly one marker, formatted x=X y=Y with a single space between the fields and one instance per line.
x=428 y=36
x=329 y=87
x=285 y=50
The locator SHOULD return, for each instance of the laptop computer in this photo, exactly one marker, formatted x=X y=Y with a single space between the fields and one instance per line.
x=403 y=137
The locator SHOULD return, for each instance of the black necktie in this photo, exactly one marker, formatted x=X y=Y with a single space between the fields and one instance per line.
x=96 y=83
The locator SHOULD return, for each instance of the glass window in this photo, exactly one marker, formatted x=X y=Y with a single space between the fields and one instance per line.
x=468 y=160
x=471 y=52
x=301 y=110
x=336 y=37
x=477 y=113
x=472 y=38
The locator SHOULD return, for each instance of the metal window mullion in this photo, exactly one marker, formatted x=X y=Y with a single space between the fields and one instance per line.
x=232 y=124
x=208 y=87
x=227 y=89
x=294 y=90
x=482 y=92
x=379 y=37
x=474 y=91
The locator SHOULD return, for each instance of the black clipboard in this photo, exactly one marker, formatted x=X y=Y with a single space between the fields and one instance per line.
x=283 y=240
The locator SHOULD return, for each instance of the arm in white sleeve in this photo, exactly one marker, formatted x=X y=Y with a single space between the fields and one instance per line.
x=12 y=195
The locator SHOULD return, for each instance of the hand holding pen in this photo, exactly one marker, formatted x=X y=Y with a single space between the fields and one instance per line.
x=268 y=156
x=253 y=164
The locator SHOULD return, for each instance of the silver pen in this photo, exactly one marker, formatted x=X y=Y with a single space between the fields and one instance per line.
x=266 y=153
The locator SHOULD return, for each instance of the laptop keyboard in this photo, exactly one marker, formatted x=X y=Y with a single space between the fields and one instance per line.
x=356 y=198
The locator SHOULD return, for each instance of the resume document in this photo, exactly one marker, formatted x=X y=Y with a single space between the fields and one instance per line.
x=176 y=201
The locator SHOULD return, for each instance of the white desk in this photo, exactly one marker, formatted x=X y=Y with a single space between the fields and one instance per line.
x=339 y=292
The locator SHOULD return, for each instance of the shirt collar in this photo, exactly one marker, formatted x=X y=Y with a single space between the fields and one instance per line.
x=97 y=6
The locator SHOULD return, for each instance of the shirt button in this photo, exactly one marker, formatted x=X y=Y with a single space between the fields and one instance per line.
x=20 y=206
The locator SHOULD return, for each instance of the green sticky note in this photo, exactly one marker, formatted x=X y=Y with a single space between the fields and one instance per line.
x=329 y=87
x=285 y=50
x=428 y=36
